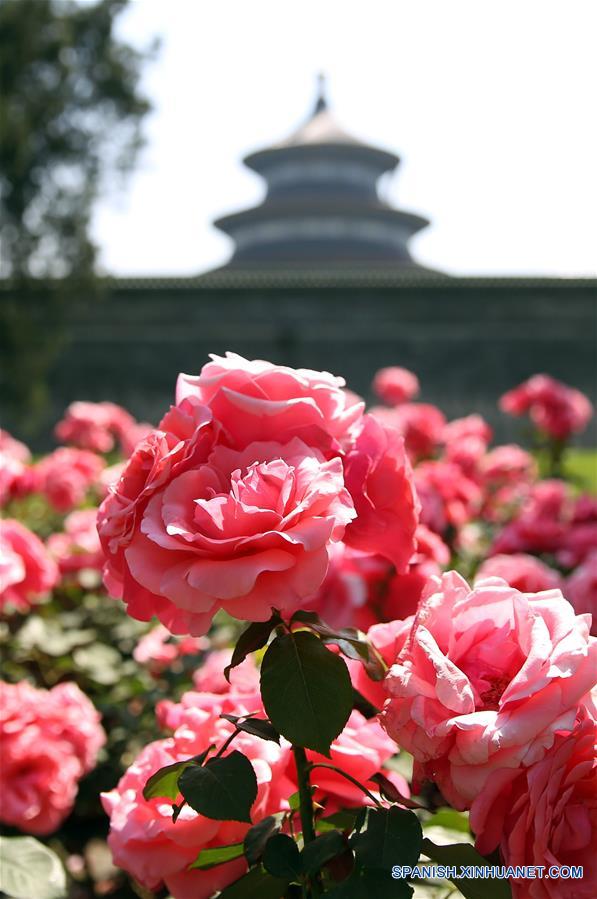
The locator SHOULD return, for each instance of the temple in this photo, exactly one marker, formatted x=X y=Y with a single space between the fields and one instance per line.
x=322 y=206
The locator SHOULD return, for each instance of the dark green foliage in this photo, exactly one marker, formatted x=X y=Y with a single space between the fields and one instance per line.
x=306 y=690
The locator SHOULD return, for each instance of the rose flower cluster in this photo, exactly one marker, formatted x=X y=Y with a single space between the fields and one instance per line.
x=467 y=570
x=48 y=740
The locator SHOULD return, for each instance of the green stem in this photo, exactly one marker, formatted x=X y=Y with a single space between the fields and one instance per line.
x=350 y=778
x=225 y=745
x=306 y=801
x=306 y=807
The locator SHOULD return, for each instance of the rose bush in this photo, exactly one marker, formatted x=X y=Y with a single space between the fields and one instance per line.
x=300 y=556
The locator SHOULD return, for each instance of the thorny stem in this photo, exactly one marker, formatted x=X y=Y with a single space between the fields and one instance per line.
x=348 y=777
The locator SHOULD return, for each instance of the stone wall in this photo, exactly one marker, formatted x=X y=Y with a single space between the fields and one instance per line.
x=468 y=340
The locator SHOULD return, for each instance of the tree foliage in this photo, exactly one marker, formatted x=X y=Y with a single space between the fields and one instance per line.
x=70 y=116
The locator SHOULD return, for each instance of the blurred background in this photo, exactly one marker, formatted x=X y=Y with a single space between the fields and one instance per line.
x=418 y=188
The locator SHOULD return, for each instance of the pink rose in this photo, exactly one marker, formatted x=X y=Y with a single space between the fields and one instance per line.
x=395 y=385
x=485 y=679
x=16 y=474
x=27 y=572
x=258 y=401
x=209 y=676
x=448 y=498
x=132 y=434
x=362 y=749
x=545 y=815
x=66 y=475
x=508 y=464
x=158 y=648
x=470 y=426
x=379 y=478
x=524 y=572
x=553 y=407
x=93 y=426
x=541 y=524
x=421 y=425
x=13 y=448
x=48 y=740
x=246 y=531
x=581 y=589
x=154 y=850
x=78 y=547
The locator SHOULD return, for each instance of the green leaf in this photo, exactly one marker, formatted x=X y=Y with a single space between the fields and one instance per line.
x=223 y=789
x=365 y=883
x=257 y=836
x=282 y=858
x=448 y=818
x=254 y=637
x=317 y=853
x=256 y=884
x=165 y=781
x=391 y=837
x=464 y=854
x=306 y=690
x=217 y=855
x=29 y=869
x=294 y=801
x=343 y=820
x=259 y=727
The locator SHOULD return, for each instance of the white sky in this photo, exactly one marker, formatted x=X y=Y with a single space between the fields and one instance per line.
x=490 y=103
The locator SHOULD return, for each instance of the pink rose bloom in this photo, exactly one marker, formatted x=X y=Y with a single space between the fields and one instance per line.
x=552 y=406
x=580 y=536
x=470 y=426
x=154 y=850
x=388 y=639
x=508 y=464
x=380 y=480
x=66 y=475
x=361 y=750
x=545 y=815
x=541 y=524
x=467 y=453
x=15 y=472
x=395 y=385
x=421 y=424
x=240 y=696
x=48 y=740
x=245 y=531
x=581 y=588
x=485 y=680
x=109 y=478
x=13 y=448
x=526 y=573
x=448 y=498
x=27 y=572
x=159 y=648
x=258 y=401
x=210 y=678
x=93 y=426
x=342 y=597
x=78 y=547
x=131 y=434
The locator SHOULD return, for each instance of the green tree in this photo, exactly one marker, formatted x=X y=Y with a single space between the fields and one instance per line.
x=70 y=116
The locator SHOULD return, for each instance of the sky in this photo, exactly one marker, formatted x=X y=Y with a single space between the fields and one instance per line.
x=491 y=105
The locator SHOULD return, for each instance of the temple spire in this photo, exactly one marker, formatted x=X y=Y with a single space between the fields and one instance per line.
x=321 y=102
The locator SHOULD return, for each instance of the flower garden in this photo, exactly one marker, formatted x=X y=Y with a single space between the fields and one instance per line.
x=283 y=646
